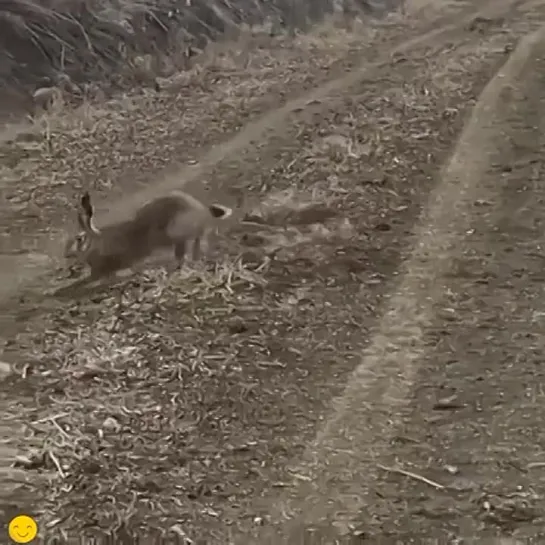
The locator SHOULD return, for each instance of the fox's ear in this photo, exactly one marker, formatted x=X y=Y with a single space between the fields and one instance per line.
x=219 y=211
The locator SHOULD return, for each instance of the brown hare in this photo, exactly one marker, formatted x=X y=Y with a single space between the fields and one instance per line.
x=178 y=221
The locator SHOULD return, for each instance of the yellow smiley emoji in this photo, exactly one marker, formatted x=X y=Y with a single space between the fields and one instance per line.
x=22 y=529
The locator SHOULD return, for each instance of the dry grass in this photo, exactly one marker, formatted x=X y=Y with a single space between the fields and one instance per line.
x=138 y=364
x=70 y=44
x=113 y=146
x=172 y=404
x=151 y=391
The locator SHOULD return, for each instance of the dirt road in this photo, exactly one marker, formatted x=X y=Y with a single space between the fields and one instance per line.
x=459 y=337
x=473 y=423
x=370 y=368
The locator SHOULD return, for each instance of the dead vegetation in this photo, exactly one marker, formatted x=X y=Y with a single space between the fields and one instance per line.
x=172 y=404
x=110 y=147
x=71 y=46
x=171 y=369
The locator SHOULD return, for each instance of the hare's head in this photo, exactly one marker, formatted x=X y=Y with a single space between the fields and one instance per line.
x=78 y=245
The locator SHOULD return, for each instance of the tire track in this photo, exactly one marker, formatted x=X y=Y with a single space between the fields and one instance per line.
x=262 y=129
x=489 y=354
x=340 y=464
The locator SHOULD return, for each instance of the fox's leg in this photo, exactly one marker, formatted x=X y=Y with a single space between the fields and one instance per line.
x=180 y=249
x=197 y=250
x=202 y=245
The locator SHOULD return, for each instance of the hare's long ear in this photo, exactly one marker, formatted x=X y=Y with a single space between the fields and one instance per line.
x=85 y=203
x=85 y=213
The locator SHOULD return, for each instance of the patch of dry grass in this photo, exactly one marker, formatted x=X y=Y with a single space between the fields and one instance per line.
x=117 y=391
x=108 y=145
x=144 y=397
x=177 y=403
x=72 y=44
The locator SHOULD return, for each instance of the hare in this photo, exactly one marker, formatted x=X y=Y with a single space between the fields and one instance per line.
x=173 y=221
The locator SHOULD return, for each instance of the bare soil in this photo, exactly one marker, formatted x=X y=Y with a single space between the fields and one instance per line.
x=474 y=424
x=183 y=405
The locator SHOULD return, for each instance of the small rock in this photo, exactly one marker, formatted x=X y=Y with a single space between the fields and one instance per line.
x=448 y=403
x=237 y=325
x=5 y=370
x=111 y=424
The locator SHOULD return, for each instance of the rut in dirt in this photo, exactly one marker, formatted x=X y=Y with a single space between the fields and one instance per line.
x=262 y=404
x=474 y=427
x=347 y=447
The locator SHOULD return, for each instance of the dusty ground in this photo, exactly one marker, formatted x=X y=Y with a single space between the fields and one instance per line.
x=201 y=404
x=480 y=385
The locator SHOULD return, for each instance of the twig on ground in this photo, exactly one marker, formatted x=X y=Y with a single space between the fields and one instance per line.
x=412 y=475
x=57 y=464
x=534 y=465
